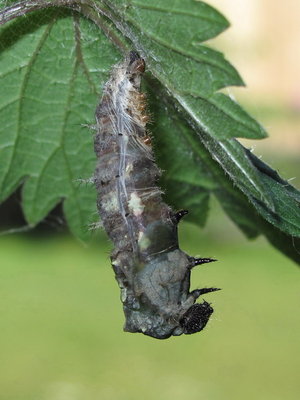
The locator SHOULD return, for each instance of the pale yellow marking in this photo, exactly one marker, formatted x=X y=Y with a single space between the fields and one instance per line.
x=135 y=204
x=143 y=241
x=123 y=294
x=129 y=169
x=116 y=262
x=110 y=203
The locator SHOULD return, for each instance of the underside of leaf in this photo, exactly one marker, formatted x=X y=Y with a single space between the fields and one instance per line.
x=53 y=64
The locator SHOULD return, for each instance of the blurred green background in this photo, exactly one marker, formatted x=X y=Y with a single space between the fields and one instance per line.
x=61 y=332
x=61 y=320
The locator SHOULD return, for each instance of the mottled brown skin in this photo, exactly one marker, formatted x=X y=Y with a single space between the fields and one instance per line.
x=152 y=272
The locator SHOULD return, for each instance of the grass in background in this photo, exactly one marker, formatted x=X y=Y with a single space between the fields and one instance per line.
x=61 y=332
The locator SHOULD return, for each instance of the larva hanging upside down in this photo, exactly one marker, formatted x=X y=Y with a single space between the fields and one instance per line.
x=151 y=270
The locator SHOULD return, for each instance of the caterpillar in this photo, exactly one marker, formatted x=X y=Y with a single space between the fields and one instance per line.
x=151 y=270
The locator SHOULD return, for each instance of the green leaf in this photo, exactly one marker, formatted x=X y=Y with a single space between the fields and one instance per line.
x=52 y=67
x=187 y=163
x=192 y=83
x=192 y=176
x=50 y=77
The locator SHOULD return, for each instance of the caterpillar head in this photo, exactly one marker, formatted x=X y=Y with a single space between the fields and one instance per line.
x=161 y=327
x=196 y=318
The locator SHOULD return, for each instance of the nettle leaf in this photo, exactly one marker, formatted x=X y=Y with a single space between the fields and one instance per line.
x=192 y=176
x=52 y=67
x=50 y=75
